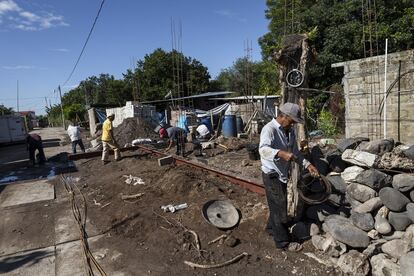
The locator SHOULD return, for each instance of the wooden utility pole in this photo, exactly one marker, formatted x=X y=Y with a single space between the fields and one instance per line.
x=61 y=108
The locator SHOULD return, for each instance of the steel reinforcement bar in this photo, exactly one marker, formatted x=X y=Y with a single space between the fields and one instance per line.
x=246 y=184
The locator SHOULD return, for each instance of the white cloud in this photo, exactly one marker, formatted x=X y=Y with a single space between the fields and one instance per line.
x=19 y=18
x=19 y=67
x=230 y=15
x=60 y=50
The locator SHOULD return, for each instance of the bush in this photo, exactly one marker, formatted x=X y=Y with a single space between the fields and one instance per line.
x=328 y=123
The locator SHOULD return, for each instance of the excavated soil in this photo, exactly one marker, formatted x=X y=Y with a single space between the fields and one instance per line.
x=143 y=240
x=133 y=128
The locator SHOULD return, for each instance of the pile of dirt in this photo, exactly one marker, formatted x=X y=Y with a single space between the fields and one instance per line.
x=133 y=128
x=140 y=230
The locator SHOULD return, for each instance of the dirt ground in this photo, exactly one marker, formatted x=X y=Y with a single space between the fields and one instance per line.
x=143 y=240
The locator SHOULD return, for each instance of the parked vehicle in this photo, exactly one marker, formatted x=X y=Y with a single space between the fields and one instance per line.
x=12 y=129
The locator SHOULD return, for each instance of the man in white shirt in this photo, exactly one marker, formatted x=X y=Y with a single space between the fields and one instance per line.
x=75 y=137
x=202 y=132
x=277 y=149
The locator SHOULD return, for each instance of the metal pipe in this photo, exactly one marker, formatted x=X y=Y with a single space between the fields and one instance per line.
x=385 y=89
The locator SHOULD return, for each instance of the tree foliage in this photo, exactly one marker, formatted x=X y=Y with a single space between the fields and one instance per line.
x=244 y=77
x=5 y=110
x=339 y=35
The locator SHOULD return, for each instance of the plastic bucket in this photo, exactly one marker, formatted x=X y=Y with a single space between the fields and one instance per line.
x=239 y=124
x=229 y=128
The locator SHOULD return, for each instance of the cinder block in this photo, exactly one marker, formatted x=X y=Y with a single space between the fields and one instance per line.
x=168 y=160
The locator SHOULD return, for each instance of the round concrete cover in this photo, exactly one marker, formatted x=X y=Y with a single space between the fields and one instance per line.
x=221 y=213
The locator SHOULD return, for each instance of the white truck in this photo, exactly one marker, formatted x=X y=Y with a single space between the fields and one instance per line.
x=12 y=129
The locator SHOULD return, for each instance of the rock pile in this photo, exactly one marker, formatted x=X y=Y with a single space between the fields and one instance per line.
x=368 y=221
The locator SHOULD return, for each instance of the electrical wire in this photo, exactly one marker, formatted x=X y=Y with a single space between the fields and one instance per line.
x=86 y=42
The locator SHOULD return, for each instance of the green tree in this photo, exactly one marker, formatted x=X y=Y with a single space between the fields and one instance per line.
x=74 y=112
x=5 y=110
x=259 y=78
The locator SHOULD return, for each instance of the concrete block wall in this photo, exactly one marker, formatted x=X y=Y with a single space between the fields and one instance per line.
x=363 y=83
x=132 y=110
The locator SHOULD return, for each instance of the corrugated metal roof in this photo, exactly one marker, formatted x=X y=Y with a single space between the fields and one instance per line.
x=202 y=95
x=255 y=97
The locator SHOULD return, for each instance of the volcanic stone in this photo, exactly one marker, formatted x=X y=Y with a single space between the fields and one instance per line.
x=410 y=211
x=354 y=263
x=337 y=200
x=393 y=199
x=382 y=225
x=363 y=221
x=399 y=221
x=374 y=179
x=319 y=212
x=359 y=158
x=335 y=161
x=378 y=147
x=382 y=266
x=337 y=183
x=329 y=245
x=360 y=192
x=342 y=230
x=369 y=205
x=407 y=264
x=403 y=182
x=395 y=248
x=409 y=152
x=353 y=202
x=350 y=143
x=350 y=174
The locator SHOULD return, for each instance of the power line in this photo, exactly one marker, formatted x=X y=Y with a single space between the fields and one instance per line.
x=86 y=42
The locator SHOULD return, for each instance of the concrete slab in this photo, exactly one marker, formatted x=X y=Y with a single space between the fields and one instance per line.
x=29 y=263
x=29 y=192
x=70 y=259
x=66 y=228
x=26 y=227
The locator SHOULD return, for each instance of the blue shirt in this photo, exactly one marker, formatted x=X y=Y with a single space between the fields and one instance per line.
x=272 y=139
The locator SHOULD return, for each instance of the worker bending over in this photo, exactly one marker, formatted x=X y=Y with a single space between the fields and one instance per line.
x=175 y=135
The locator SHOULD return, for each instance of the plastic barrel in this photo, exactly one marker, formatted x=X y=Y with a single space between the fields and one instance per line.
x=207 y=122
x=239 y=124
x=229 y=128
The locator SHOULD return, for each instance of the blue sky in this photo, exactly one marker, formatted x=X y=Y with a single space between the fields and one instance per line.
x=40 y=40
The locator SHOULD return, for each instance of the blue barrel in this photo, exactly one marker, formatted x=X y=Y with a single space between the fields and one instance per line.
x=229 y=127
x=207 y=122
x=239 y=123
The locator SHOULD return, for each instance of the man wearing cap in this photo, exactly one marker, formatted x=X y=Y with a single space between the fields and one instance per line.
x=175 y=135
x=277 y=149
x=108 y=140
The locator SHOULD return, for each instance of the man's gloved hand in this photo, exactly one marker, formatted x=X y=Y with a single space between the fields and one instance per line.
x=313 y=171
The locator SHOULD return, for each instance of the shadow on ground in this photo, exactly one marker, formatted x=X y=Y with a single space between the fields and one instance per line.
x=9 y=264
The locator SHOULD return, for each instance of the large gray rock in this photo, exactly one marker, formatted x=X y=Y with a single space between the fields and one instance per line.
x=369 y=205
x=395 y=235
x=354 y=263
x=336 y=164
x=393 y=199
x=407 y=264
x=378 y=147
x=399 y=221
x=337 y=182
x=319 y=212
x=409 y=153
x=359 y=158
x=363 y=221
x=374 y=179
x=329 y=245
x=410 y=211
x=382 y=266
x=408 y=236
x=337 y=199
x=350 y=174
x=350 y=143
x=360 y=192
x=382 y=225
x=344 y=231
x=403 y=182
x=353 y=202
x=395 y=248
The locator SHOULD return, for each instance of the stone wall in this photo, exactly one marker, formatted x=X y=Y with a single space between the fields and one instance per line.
x=363 y=83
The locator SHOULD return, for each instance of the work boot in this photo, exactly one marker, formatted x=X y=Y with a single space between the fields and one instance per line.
x=104 y=162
